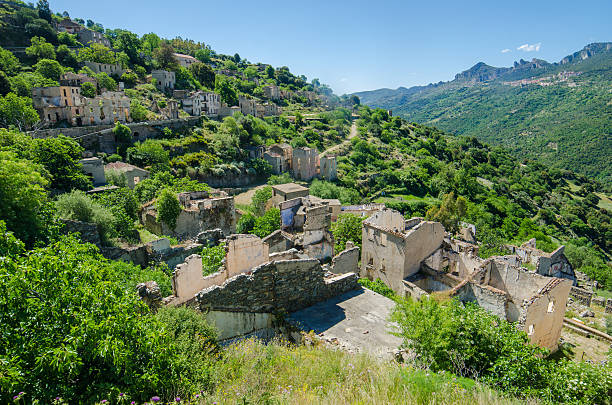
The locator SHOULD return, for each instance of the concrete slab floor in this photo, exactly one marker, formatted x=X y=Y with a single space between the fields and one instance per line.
x=355 y=322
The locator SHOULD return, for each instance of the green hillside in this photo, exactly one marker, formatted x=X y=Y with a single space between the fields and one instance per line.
x=566 y=123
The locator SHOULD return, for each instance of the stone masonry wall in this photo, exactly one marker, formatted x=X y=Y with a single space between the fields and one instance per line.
x=346 y=261
x=287 y=286
x=89 y=231
x=581 y=295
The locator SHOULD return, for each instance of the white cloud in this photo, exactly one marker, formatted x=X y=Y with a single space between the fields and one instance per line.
x=530 y=48
x=505 y=50
x=344 y=79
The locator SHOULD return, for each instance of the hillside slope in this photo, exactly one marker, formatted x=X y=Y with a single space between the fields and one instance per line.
x=558 y=113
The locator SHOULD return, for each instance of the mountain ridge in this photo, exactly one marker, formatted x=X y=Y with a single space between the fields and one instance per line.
x=557 y=112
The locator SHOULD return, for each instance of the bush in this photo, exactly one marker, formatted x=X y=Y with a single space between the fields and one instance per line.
x=212 y=259
x=78 y=206
x=283 y=178
x=23 y=199
x=168 y=208
x=88 y=90
x=267 y=223
x=347 y=227
x=260 y=198
x=73 y=329
x=328 y=190
x=149 y=153
x=469 y=341
x=246 y=223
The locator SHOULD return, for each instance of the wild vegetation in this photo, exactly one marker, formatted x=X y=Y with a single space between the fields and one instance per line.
x=564 y=124
x=72 y=325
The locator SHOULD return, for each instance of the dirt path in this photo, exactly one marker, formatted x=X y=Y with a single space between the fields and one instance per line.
x=352 y=134
x=246 y=197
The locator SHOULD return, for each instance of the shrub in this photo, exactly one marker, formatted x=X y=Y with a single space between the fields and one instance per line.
x=267 y=223
x=149 y=153
x=246 y=223
x=78 y=206
x=168 y=208
x=328 y=190
x=469 y=341
x=260 y=198
x=347 y=227
x=283 y=178
x=72 y=328
x=212 y=259
x=23 y=199
x=88 y=90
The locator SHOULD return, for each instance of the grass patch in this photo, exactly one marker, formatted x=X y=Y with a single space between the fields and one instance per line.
x=255 y=373
x=146 y=236
x=604 y=293
x=605 y=202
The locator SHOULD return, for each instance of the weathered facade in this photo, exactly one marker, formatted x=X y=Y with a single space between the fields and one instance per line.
x=289 y=191
x=111 y=69
x=328 y=168
x=65 y=103
x=185 y=60
x=393 y=248
x=304 y=163
x=553 y=264
x=94 y=167
x=165 y=80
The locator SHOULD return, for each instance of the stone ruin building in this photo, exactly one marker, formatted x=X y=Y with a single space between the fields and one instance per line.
x=254 y=283
x=308 y=219
x=200 y=211
x=66 y=103
x=417 y=258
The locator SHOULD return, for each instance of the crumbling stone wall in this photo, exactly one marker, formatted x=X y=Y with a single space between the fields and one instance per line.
x=346 y=261
x=279 y=241
x=88 y=231
x=243 y=252
x=286 y=286
x=328 y=169
x=581 y=295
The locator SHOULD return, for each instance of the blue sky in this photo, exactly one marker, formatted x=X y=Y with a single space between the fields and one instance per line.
x=364 y=45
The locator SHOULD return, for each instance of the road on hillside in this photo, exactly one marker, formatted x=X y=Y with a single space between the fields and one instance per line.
x=351 y=135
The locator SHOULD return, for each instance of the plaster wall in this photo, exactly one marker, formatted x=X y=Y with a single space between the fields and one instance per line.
x=244 y=252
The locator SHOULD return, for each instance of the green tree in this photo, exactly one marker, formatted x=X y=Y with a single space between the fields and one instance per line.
x=260 y=198
x=60 y=156
x=246 y=223
x=225 y=89
x=185 y=79
x=138 y=112
x=22 y=197
x=250 y=72
x=106 y=82
x=164 y=55
x=168 y=208
x=49 y=68
x=88 y=90
x=5 y=84
x=267 y=223
x=40 y=49
x=130 y=79
x=149 y=153
x=449 y=213
x=204 y=74
x=65 y=38
x=43 y=10
x=17 y=111
x=347 y=227
x=8 y=62
x=129 y=43
x=203 y=55
x=89 y=337
x=97 y=53
x=66 y=57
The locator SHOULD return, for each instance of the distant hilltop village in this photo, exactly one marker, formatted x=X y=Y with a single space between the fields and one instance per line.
x=67 y=104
